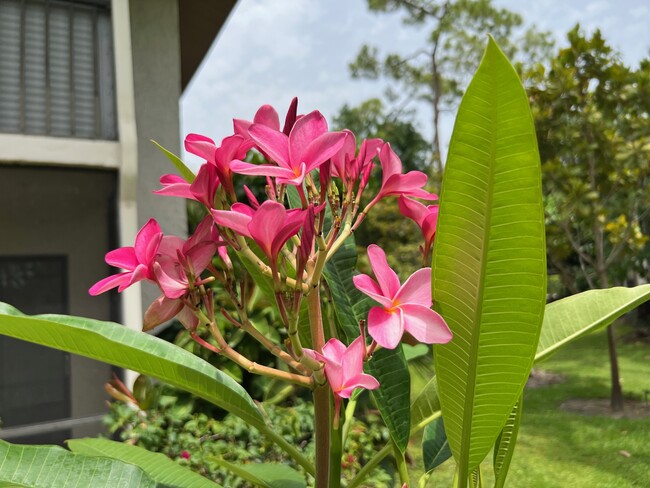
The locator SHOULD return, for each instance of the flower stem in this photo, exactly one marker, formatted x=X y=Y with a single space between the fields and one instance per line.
x=321 y=394
x=335 y=450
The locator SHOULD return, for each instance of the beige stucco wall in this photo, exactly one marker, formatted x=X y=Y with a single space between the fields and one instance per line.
x=61 y=211
x=156 y=71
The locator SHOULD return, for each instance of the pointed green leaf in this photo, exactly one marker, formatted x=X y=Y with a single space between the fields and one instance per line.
x=185 y=172
x=569 y=318
x=426 y=406
x=504 y=448
x=55 y=467
x=266 y=475
x=156 y=465
x=489 y=265
x=435 y=447
x=388 y=366
x=118 y=345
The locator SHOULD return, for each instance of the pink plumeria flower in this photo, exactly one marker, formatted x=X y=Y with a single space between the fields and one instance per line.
x=232 y=148
x=347 y=165
x=203 y=189
x=270 y=225
x=394 y=183
x=268 y=116
x=307 y=146
x=403 y=308
x=137 y=261
x=344 y=367
x=425 y=216
x=180 y=260
x=178 y=268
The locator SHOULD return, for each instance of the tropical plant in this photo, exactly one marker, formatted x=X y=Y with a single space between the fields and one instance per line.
x=488 y=282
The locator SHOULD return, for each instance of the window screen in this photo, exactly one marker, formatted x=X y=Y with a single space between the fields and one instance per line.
x=56 y=69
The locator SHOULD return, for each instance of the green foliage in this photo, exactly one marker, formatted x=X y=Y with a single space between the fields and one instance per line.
x=438 y=72
x=54 y=467
x=489 y=269
x=178 y=423
x=160 y=468
x=593 y=126
x=567 y=319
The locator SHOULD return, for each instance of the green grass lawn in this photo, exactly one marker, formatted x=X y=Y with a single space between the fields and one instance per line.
x=563 y=449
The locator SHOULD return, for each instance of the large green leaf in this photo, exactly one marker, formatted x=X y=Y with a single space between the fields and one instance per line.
x=504 y=447
x=54 y=467
x=567 y=319
x=121 y=346
x=435 y=448
x=118 y=345
x=388 y=366
x=426 y=406
x=489 y=272
x=156 y=465
x=266 y=475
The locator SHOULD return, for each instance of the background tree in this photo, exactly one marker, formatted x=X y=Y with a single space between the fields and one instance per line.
x=592 y=115
x=438 y=72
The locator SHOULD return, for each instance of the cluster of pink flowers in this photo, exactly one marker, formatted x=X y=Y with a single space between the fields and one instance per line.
x=330 y=175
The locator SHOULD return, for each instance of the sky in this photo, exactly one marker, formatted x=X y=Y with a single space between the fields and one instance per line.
x=272 y=50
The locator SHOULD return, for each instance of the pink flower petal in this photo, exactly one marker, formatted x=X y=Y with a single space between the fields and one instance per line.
x=334 y=349
x=243 y=208
x=233 y=220
x=425 y=325
x=242 y=168
x=204 y=187
x=304 y=131
x=188 y=318
x=171 y=283
x=170 y=245
x=174 y=186
x=232 y=147
x=266 y=224
x=200 y=146
x=352 y=360
x=271 y=142
x=266 y=115
x=322 y=148
x=344 y=156
x=416 y=289
x=161 y=310
x=361 y=380
x=386 y=277
x=149 y=234
x=201 y=255
x=124 y=258
x=241 y=127
x=390 y=163
x=367 y=285
x=413 y=210
x=109 y=283
x=386 y=326
x=291 y=117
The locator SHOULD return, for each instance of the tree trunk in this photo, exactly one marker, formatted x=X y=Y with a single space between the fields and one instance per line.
x=616 y=399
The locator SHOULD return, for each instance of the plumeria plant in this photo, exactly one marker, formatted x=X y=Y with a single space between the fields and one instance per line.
x=342 y=332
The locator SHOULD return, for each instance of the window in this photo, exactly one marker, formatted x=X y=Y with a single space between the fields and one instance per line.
x=56 y=68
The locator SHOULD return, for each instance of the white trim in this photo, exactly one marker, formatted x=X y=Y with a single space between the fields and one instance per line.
x=128 y=175
x=26 y=149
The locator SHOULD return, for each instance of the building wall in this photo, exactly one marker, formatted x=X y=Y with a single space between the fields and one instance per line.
x=157 y=81
x=62 y=211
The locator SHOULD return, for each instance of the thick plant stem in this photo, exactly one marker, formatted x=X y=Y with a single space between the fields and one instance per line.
x=321 y=394
x=335 y=456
